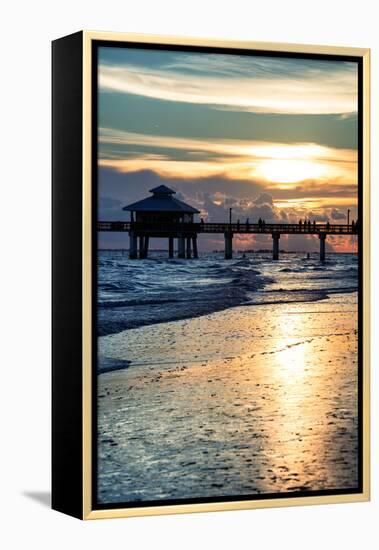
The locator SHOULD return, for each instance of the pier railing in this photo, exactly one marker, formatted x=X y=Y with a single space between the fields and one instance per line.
x=243 y=228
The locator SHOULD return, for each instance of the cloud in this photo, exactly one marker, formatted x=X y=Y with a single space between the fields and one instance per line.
x=215 y=207
x=241 y=83
x=263 y=198
x=337 y=214
x=132 y=186
x=109 y=208
x=280 y=164
x=321 y=216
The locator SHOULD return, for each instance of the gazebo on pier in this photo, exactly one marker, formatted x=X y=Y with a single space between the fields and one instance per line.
x=162 y=215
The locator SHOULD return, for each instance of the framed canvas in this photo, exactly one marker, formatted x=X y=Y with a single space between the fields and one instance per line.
x=210 y=275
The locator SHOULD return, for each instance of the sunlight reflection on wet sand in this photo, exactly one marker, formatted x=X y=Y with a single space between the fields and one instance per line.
x=245 y=401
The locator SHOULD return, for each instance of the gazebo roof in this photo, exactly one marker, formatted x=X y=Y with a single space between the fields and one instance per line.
x=162 y=190
x=161 y=201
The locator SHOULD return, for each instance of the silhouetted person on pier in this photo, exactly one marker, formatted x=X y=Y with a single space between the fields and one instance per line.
x=238 y=225
x=300 y=225
x=353 y=226
x=201 y=221
x=327 y=225
x=247 y=224
x=263 y=224
x=260 y=224
x=314 y=225
x=309 y=225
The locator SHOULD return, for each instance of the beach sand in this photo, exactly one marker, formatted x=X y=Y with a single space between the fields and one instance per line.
x=250 y=400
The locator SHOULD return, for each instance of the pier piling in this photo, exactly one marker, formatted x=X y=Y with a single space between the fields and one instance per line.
x=322 y=237
x=181 y=248
x=228 y=245
x=132 y=246
x=141 y=246
x=145 y=246
x=275 y=246
x=171 y=247
x=194 y=246
x=188 y=248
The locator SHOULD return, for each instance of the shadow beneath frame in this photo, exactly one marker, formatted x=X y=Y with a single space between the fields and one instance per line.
x=41 y=497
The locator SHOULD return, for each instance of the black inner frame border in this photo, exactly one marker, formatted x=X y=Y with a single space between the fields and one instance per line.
x=94 y=243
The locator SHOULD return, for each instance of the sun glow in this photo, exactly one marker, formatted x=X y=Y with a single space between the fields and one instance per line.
x=290 y=171
x=278 y=164
x=292 y=163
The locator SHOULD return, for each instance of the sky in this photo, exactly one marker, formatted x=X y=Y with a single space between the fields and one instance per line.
x=269 y=137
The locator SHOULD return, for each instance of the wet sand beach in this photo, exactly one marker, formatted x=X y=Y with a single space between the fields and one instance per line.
x=249 y=400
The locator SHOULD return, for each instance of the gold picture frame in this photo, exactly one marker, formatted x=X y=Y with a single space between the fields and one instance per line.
x=83 y=507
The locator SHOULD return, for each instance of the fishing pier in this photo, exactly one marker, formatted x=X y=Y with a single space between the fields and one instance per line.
x=163 y=216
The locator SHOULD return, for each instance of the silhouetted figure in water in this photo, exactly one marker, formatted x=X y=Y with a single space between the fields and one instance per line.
x=308 y=256
x=244 y=255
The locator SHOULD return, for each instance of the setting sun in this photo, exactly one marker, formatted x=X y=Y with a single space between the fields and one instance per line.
x=290 y=171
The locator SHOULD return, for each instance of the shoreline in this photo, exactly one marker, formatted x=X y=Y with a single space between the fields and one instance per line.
x=309 y=297
x=168 y=324
x=247 y=400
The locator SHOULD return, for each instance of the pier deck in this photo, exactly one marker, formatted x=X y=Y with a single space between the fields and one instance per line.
x=235 y=228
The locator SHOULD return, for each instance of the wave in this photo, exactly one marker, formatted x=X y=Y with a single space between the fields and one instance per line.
x=108 y=364
x=317 y=269
x=139 y=293
x=127 y=303
x=329 y=290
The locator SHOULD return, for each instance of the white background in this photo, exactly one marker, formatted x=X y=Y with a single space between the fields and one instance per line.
x=26 y=31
